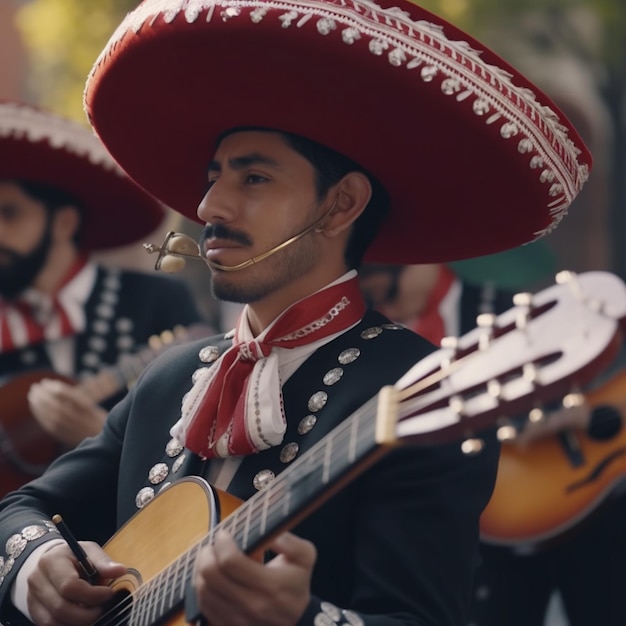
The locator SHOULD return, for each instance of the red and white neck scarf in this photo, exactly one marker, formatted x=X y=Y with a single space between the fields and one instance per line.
x=235 y=407
x=35 y=317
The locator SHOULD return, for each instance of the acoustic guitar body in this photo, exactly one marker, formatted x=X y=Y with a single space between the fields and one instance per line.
x=25 y=447
x=542 y=492
x=166 y=528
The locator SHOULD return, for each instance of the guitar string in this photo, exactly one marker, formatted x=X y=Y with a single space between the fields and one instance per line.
x=342 y=438
x=274 y=493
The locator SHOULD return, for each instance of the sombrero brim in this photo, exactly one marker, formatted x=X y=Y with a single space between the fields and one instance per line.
x=475 y=158
x=39 y=146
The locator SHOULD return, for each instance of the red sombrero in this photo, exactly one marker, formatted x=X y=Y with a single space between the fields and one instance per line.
x=476 y=159
x=39 y=146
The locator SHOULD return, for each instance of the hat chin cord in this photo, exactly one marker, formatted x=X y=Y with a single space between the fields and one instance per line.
x=178 y=247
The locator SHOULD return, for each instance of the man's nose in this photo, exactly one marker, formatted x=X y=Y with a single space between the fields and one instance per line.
x=216 y=205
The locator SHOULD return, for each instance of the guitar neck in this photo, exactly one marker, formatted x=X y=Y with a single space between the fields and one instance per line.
x=112 y=379
x=334 y=461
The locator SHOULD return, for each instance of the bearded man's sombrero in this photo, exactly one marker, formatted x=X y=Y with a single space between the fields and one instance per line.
x=475 y=158
x=39 y=146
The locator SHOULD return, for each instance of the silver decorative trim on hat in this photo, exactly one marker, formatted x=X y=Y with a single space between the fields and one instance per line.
x=23 y=122
x=410 y=44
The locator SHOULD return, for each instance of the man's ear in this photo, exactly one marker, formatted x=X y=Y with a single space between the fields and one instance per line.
x=65 y=223
x=352 y=193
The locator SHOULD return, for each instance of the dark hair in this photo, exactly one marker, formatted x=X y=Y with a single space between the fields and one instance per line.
x=52 y=197
x=330 y=167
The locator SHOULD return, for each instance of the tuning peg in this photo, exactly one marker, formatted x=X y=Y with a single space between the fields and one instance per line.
x=494 y=388
x=486 y=322
x=449 y=343
x=472 y=446
x=524 y=301
x=536 y=415
x=506 y=432
x=572 y=400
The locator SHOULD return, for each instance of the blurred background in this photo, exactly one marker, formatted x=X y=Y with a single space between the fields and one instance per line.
x=575 y=50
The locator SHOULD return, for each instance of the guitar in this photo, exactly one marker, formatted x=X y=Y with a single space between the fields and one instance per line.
x=26 y=449
x=533 y=353
x=546 y=489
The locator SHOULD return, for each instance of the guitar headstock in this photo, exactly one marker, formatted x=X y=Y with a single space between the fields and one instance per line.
x=540 y=349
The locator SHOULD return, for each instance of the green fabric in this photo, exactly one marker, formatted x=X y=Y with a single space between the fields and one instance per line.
x=512 y=269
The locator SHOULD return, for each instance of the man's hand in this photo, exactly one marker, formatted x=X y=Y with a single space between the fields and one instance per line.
x=58 y=596
x=65 y=411
x=235 y=590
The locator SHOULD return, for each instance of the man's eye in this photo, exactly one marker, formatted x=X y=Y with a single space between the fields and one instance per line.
x=255 y=178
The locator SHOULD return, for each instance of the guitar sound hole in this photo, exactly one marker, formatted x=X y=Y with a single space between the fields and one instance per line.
x=605 y=423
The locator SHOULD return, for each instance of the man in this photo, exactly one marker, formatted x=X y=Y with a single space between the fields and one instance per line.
x=62 y=317
x=293 y=192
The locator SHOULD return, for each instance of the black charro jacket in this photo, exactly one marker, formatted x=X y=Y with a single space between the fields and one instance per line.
x=395 y=546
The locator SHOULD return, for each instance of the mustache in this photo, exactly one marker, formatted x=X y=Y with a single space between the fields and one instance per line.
x=219 y=231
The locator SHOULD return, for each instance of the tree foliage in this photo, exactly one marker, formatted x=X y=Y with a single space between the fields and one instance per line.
x=65 y=36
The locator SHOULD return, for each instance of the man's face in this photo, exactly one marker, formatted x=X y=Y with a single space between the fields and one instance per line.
x=261 y=193
x=25 y=238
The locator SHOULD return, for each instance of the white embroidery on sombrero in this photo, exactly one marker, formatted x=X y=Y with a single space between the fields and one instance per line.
x=412 y=44
x=24 y=122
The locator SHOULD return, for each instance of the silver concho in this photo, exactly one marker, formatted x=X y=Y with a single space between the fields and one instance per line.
x=371 y=333
x=8 y=566
x=289 y=452
x=349 y=355
x=208 y=354
x=30 y=533
x=331 y=610
x=143 y=497
x=317 y=401
x=124 y=325
x=177 y=463
x=306 y=424
x=321 y=619
x=158 y=473
x=173 y=447
x=333 y=376
x=15 y=545
x=263 y=479
x=352 y=618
